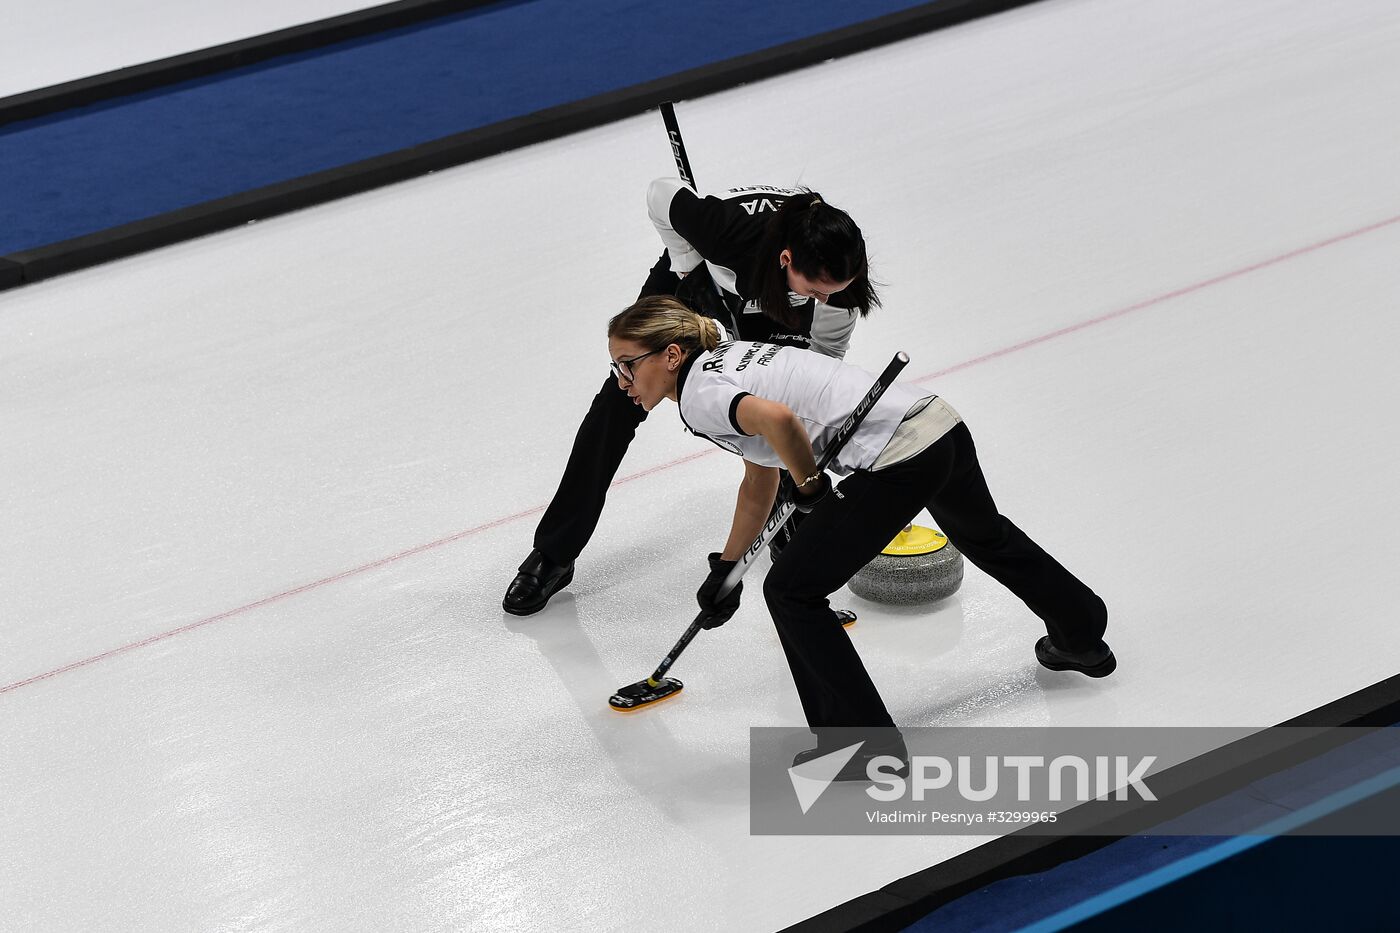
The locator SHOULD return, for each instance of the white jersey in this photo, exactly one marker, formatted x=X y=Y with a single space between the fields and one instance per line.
x=821 y=391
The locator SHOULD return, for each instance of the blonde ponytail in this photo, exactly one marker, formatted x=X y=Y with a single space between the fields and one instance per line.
x=708 y=331
x=657 y=321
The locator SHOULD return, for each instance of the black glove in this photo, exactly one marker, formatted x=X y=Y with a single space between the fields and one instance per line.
x=718 y=613
x=806 y=498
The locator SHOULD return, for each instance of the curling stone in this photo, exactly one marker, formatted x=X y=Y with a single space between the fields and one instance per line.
x=919 y=566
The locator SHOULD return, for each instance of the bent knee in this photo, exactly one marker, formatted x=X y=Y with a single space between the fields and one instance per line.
x=785 y=588
x=775 y=587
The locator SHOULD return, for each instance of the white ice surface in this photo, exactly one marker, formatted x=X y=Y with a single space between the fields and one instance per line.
x=54 y=41
x=222 y=463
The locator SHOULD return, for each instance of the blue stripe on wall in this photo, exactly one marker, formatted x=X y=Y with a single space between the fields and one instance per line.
x=108 y=164
x=1199 y=861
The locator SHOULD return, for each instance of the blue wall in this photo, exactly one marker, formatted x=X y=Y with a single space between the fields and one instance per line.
x=96 y=167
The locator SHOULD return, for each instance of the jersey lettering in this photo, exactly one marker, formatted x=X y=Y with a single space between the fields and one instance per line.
x=763 y=188
x=760 y=205
x=747 y=357
x=716 y=360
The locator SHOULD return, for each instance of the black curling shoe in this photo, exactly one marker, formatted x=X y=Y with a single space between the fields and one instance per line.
x=539 y=578
x=855 y=769
x=1092 y=662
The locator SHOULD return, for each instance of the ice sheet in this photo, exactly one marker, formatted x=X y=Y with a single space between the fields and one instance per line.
x=264 y=491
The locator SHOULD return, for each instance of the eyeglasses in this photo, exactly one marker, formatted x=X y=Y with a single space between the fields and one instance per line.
x=623 y=369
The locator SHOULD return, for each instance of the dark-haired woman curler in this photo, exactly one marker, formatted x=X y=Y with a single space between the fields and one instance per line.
x=779 y=265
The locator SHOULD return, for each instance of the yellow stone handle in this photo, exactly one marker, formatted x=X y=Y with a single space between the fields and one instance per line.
x=915 y=539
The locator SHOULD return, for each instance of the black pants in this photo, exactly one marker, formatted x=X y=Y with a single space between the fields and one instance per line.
x=859 y=519
x=602 y=441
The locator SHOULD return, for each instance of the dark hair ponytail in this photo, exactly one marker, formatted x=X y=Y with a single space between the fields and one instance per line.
x=824 y=242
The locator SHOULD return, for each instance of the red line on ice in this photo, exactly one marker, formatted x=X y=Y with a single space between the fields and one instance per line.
x=363 y=568
x=1034 y=341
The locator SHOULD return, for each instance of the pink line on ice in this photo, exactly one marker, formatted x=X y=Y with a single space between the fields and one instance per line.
x=496 y=523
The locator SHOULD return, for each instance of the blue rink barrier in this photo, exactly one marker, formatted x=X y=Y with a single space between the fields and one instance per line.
x=1265 y=880
x=123 y=174
x=1319 y=834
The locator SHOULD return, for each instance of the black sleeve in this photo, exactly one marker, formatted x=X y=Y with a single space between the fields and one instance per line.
x=661 y=280
x=734 y=412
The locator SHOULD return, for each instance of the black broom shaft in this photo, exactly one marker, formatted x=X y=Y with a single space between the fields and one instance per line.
x=680 y=646
x=673 y=134
x=785 y=509
x=673 y=131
